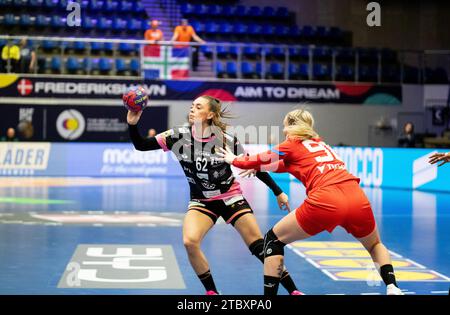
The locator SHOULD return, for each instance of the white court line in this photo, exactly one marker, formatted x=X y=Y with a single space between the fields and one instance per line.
x=374 y=293
x=409 y=293
x=415 y=263
x=329 y=274
x=440 y=275
x=313 y=263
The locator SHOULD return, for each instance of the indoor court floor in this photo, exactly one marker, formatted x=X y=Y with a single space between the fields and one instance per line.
x=124 y=236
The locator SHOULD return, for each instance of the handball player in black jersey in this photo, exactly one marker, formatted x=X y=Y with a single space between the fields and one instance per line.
x=214 y=192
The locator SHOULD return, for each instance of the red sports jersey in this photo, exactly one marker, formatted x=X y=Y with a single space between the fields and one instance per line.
x=312 y=162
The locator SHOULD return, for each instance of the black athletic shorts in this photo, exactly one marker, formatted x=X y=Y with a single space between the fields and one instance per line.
x=229 y=209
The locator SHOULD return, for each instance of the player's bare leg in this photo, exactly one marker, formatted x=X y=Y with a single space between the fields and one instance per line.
x=195 y=227
x=248 y=228
x=286 y=231
x=382 y=259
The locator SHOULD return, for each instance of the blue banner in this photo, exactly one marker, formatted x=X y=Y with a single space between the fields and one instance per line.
x=376 y=167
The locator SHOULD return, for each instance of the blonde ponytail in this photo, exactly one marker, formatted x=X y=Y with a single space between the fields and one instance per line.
x=300 y=123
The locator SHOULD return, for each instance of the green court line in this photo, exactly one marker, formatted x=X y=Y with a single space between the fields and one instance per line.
x=33 y=201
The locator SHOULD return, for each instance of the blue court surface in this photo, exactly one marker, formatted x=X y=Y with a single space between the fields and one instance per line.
x=124 y=236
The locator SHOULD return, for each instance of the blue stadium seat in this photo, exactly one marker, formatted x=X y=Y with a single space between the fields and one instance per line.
x=267 y=50
x=125 y=6
x=133 y=25
x=79 y=46
x=51 y=4
x=231 y=69
x=279 y=53
x=42 y=21
x=25 y=20
x=308 y=32
x=36 y=3
x=119 y=24
x=321 y=71
x=335 y=35
x=110 y=5
x=10 y=20
x=345 y=55
x=211 y=27
x=240 y=11
x=294 y=53
x=108 y=47
x=214 y=10
x=240 y=29
x=104 y=64
x=86 y=64
x=96 y=47
x=281 y=31
x=388 y=55
x=322 y=32
x=268 y=12
x=56 y=22
x=304 y=70
x=218 y=68
x=259 y=70
x=20 y=3
x=48 y=45
x=138 y=7
x=126 y=48
x=104 y=24
x=200 y=10
x=321 y=53
x=368 y=55
x=186 y=9
x=233 y=51
x=294 y=32
x=304 y=52
x=62 y=5
x=55 y=64
x=345 y=73
x=72 y=64
x=276 y=71
x=207 y=51
x=87 y=23
x=254 y=29
x=96 y=5
x=247 y=69
x=251 y=51
x=225 y=28
x=294 y=71
x=222 y=51
x=254 y=12
x=135 y=65
x=268 y=30
x=121 y=65
x=368 y=73
x=227 y=11
x=282 y=12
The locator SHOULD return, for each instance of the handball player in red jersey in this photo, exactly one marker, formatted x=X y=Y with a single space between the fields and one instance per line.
x=334 y=198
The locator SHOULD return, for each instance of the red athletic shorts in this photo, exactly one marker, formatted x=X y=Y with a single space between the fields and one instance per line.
x=343 y=204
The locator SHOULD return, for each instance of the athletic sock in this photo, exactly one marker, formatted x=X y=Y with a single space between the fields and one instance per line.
x=387 y=274
x=271 y=285
x=208 y=281
x=287 y=282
